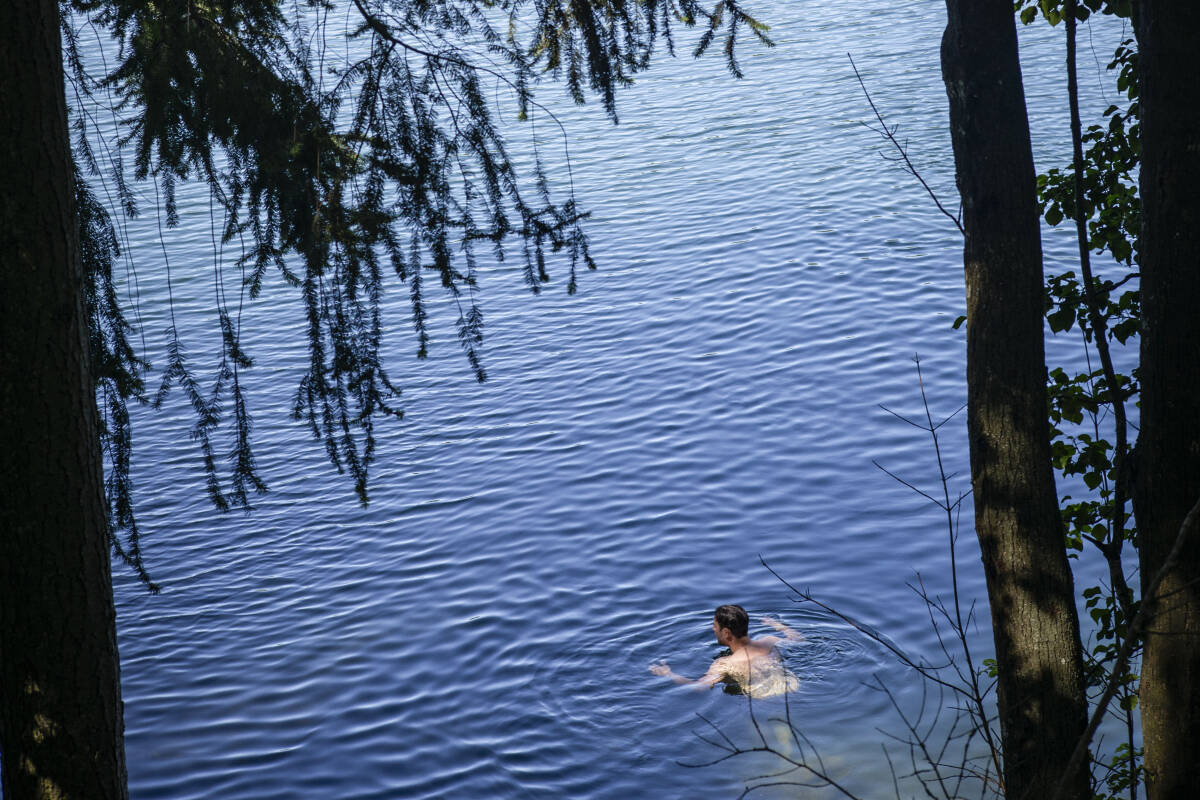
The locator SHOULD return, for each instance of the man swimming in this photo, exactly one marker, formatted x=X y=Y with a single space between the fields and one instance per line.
x=753 y=665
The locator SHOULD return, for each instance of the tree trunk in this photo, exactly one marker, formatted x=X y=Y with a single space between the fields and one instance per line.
x=61 y=726
x=1040 y=692
x=1168 y=452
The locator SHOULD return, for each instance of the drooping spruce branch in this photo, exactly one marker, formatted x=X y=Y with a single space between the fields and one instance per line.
x=336 y=176
x=117 y=371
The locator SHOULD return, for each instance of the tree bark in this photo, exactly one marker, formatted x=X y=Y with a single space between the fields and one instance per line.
x=61 y=726
x=1168 y=451
x=1040 y=690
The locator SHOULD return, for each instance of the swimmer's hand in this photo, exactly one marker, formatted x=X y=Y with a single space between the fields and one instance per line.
x=788 y=633
x=709 y=679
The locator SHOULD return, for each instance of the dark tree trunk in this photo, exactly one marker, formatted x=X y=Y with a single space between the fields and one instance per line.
x=1040 y=692
x=61 y=727
x=1168 y=452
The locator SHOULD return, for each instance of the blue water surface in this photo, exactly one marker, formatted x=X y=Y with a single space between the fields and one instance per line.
x=710 y=397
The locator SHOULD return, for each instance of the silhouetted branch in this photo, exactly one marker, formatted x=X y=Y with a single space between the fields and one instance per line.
x=951 y=743
x=1191 y=523
x=1112 y=549
x=890 y=135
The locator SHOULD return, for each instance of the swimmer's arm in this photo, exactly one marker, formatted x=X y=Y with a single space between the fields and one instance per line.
x=706 y=681
x=788 y=633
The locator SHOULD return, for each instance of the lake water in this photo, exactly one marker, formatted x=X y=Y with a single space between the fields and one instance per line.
x=483 y=629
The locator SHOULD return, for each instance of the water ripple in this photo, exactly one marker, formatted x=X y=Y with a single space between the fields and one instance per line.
x=483 y=629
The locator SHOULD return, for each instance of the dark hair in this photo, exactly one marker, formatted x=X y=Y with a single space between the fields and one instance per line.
x=734 y=618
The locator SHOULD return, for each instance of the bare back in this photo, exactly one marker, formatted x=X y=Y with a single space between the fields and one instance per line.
x=756 y=668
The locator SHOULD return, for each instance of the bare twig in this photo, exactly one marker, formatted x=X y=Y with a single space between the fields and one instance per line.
x=890 y=135
x=947 y=734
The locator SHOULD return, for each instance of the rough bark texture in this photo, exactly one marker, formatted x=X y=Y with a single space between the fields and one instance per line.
x=61 y=728
x=1168 y=453
x=1040 y=691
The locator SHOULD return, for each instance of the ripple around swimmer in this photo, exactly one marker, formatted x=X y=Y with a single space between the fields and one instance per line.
x=601 y=681
x=602 y=689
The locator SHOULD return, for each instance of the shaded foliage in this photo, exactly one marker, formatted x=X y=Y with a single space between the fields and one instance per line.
x=116 y=369
x=1098 y=193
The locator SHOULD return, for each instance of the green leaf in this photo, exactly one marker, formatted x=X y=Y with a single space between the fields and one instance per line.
x=959 y=321
x=1062 y=319
x=1124 y=329
x=1121 y=250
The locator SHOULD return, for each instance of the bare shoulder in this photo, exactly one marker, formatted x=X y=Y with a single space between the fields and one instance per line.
x=721 y=669
x=733 y=667
x=722 y=664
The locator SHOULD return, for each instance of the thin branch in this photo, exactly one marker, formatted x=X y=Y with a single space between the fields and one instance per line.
x=1112 y=550
x=903 y=418
x=921 y=669
x=898 y=479
x=890 y=135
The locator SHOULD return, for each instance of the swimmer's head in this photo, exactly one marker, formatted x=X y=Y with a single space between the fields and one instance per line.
x=733 y=619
